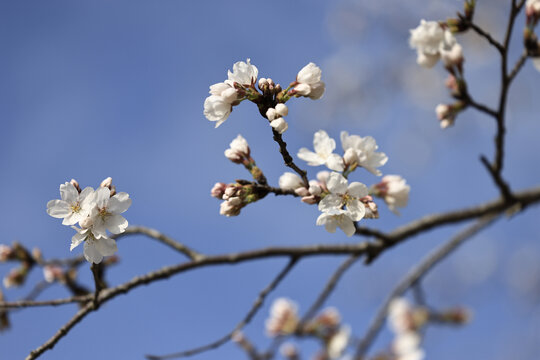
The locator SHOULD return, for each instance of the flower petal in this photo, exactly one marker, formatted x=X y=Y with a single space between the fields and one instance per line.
x=119 y=203
x=357 y=189
x=312 y=158
x=91 y=254
x=116 y=223
x=323 y=144
x=356 y=209
x=336 y=183
x=330 y=201
x=106 y=246
x=58 y=208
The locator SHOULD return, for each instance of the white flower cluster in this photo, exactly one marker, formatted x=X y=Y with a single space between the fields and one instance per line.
x=406 y=344
x=240 y=86
x=342 y=203
x=433 y=41
x=224 y=95
x=275 y=116
x=326 y=326
x=96 y=211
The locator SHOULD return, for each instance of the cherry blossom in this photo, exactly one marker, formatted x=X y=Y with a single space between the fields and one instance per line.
x=243 y=73
x=95 y=248
x=73 y=207
x=394 y=191
x=335 y=218
x=290 y=181
x=238 y=149
x=283 y=318
x=106 y=213
x=344 y=194
x=365 y=150
x=323 y=155
x=430 y=39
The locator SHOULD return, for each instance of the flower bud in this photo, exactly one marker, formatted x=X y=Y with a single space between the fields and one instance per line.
x=290 y=181
x=218 y=190
x=311 y=199
x=6 y=253
x=282 y=110
x=279 y=125
x=302 y=191
x=37 y=255
x=106 y=183
x=76 y=184
x=271 y=114
x=315 y=188
x=52 y=273
x=263 y=83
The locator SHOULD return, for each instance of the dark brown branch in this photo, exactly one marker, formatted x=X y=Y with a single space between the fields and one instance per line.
x=56 y=302
x=246 y=320
x=414 y=275
x=497 y=178
x=371 y=249
x=519 y=64
x=152 y=233
x=287 y=157
x=484 y=34
x=480 y=107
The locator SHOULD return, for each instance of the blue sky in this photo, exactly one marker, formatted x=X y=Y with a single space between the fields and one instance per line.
x=116 y=88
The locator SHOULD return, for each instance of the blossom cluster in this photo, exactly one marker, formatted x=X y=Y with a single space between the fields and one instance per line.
x=326 y=327
x=406 y=322
x=96 y=211
x=433 y=41
x=271 y=99
x=343 y=203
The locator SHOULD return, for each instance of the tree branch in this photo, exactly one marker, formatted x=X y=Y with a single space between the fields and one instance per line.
x=371 y=249
x=414 y=275
x=246 y=320
x=287 y=157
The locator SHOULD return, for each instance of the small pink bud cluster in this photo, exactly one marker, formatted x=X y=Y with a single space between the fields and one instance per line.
x=18 y=253
x=310 y=195
x=235 y=196
x=53 y=273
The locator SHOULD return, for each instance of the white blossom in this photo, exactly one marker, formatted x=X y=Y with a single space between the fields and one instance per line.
x=238 y=149
x=365 y=149
x=338 y=343
x=106 y=214
x=309 y=82
x=394 y=191
x=324 y=147
x=279 y=125
x=216 y=108
x=400 y=316
x=430 y=39
x=335 y=218
x=290 y=181
x=52 y=273
x=243 y=73
x=73 y=207
x=95 y=248
x=453 y=55
x=283 y=317
x=344 y=194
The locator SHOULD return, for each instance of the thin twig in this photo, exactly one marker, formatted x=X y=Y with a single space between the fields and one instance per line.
x=485 y=34
x=328 y=289
x=287 y=157
x=246 y=320
x=525 y=198
x=414 y=275
x=519 y=64
x=155 y=234
x=480 y=107
x=56 y=302
x=497 y=178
